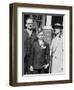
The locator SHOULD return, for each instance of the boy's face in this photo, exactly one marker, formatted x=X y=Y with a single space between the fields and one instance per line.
x=40 y=35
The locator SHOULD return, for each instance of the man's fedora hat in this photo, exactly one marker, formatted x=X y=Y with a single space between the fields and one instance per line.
x=58 y=25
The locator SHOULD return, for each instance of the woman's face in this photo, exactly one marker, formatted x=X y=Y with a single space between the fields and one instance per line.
x=57 y=30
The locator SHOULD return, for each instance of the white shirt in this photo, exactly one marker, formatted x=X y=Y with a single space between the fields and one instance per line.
x=41 y=43
x=29 y=32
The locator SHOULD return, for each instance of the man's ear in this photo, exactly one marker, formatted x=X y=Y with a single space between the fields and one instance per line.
x=26 y=25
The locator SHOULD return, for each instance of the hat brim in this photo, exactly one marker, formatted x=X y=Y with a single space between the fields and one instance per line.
x=61 y=27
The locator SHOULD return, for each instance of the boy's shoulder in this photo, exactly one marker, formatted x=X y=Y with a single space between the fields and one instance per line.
x=47 y=44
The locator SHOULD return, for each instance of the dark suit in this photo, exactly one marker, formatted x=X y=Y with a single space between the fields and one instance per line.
x=39 y=57
x=28 y=41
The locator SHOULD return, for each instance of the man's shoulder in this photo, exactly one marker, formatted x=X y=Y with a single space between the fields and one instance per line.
x=25 y=31
x=25 y=35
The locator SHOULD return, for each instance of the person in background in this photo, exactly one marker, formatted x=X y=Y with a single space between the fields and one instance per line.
x=40 y=55
x=56 y=50
x=29 y=36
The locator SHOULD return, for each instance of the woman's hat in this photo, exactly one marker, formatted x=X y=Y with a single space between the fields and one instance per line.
x=48 y=27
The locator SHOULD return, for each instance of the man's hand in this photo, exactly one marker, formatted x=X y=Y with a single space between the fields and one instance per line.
x=31 y=68
x=46 y=66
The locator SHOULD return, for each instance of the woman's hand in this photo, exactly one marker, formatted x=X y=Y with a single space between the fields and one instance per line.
x=46 y=66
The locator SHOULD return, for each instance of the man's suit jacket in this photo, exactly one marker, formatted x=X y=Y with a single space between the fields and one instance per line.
x=39 y=56
x=28 y=41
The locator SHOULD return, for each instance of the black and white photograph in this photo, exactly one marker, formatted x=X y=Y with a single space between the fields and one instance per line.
x=42 y=43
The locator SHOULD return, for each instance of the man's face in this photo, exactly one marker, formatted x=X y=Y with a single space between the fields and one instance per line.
x=29 y=24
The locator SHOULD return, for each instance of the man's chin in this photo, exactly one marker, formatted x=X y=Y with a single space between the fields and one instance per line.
x=30 y=29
